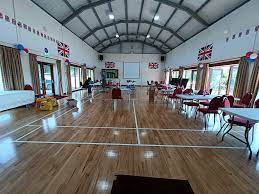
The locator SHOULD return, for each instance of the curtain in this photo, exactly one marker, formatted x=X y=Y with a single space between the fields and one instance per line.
x=170 y=75
x=11 y=67
x=84 y=74
x=181 y=70
x=242 y=78
x=58 y=62
x=202 y=77
x=254 y=80
x=34 y=73
x=69 y=87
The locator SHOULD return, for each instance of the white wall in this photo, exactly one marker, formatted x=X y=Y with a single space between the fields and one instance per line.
x=246 y=17
x=146 y=74
x=30 y=14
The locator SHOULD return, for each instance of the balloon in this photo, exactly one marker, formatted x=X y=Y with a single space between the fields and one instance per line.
x=248 y=54
x=253 y=56
x=26 y=50
x=20 y=47
x=250 y=60
x=46 y=50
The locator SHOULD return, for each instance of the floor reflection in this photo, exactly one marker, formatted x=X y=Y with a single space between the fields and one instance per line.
x=7 y=150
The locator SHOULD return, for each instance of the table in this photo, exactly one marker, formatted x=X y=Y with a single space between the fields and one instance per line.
x=249 y=114
x=195 y=97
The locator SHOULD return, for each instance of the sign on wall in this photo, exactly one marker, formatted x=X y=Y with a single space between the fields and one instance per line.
x=205 y=53
x=153 y=65
x=109 y=64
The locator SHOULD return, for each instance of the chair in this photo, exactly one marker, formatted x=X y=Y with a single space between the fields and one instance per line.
x=28 y=87
x=215 y=103
x=188 y=91
x=242 y=123
x=176 y=91
x=245 y=101
x=116 y=93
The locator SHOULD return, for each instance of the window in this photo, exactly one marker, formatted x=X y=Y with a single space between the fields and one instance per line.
x=76 y=76
x=190 y=74
x=167 y=77
x=222 y=78
x=175 y=74
x=91 y=74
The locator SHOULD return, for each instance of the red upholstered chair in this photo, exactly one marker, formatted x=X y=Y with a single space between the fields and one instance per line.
x=28 y=87
x=176 y=91
x=242 y=123
x=188 y=91
x=116 y=93
x=215 y=103
x=245 y=101
x=257 y=103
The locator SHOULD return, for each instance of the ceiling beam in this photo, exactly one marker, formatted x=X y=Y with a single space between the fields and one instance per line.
x=140 y=14
x=83 y=8
x=186 y=9
x=157 y=9
x=83 y=22
x=134 y=22
x=129 y=41
x=126 y=16
x=98 y=18
x=125 y=34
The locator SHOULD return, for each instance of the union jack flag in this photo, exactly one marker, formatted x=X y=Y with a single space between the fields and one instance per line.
x=153 y=65
x=63 y=49
x=205 y=53
x=109 y=64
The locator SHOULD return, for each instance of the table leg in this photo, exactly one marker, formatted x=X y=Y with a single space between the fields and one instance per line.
x=247 y=140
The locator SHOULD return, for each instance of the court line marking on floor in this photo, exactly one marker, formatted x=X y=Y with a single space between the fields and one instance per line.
x=136 y=122
x=28 y=124
x=27 y=134
x=130 y=145
x=129 y=128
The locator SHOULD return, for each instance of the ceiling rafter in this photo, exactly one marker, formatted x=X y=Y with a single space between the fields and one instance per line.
x=187 y=21
x=167 y=21
x=83 y=8
x=125 y=34
x=126 y=16
x=157 y=9
x=134 y=21
x=110 y=8
x=83 y=22
x=130 y=41
x=140 y=14
x=98 y=18
x=186 y=9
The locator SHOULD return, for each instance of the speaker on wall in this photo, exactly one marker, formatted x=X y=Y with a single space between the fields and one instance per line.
x=162 y=58
x=100 y=57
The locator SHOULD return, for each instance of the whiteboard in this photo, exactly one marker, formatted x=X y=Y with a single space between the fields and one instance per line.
x=131 y=70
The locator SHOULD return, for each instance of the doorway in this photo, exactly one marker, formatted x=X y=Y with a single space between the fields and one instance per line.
x=46 y=76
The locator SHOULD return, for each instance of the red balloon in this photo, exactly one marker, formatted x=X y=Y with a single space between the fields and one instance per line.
x=248 y=54
x=26 y=50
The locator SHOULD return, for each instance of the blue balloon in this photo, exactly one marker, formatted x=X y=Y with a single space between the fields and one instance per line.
x=46 y=50
x=250 y=60
x=20 y=47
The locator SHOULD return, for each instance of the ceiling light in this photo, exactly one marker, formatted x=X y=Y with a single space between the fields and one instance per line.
x=148 y=36
x=117 y=35
x=111 y=16
x=156 y=17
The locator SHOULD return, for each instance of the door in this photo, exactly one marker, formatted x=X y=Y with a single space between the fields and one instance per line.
x=46 y=79
x=215 y=80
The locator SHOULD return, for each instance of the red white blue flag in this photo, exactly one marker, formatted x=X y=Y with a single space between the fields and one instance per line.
x=109 y=64
x=153 y=65
x=205 y=53
x=63 y=49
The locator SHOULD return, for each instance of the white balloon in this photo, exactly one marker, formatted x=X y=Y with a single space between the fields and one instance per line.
x=253 y=56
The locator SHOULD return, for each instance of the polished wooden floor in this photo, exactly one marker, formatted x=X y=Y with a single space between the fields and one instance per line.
x=81 y=150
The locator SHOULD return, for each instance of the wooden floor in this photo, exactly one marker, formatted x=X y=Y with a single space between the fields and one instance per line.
x=81 y=150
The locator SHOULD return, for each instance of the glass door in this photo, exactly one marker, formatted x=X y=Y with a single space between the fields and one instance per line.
x=215 y=80
x=232 y=79
x=76 y=77
x=46 y=79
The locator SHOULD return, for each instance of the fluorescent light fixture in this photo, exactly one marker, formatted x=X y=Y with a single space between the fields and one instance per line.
x=111 y=16
x=148 y=36
x=156 y=17
x=117 y=35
